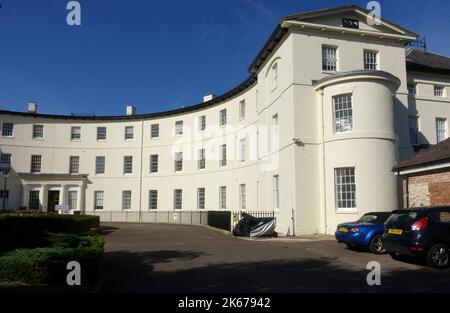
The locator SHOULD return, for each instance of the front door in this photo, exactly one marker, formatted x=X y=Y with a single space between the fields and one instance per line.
x=53 y=200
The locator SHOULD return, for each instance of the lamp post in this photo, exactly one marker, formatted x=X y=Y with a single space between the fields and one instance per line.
x=5 y=177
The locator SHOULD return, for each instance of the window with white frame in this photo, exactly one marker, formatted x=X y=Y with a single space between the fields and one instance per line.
x=414 y=130
x=154 y=163
x=200 y=198
x=129 y=132
x=101 y=133
x=222 y=197
x=128 y=164
x=177 y=199
x=439 y=91
x=275 y=133
x=345 y=189
x=126 y=199
x=98 y=200
x=223 y=155
x=5 y=162
x=178 y=161
x=4 y=195
x=276 y=191
x=201 y=162
x=154 y=133
x=33 y=200
x=100 y=165
x=223 y=117
x=242 y=109
x=370 y=60
x=38 y=131
x=329 y=59
x=343 y=113
x=7 y=129
x=72 y=196
x=74 y=165
x=75 y=133
x=36 y=162
x=153 y=200
x=179 y=128
x=274 y=76
x=441 y=129
x=412 y=89
x=242 y=197
x=242 y=150
x=201 y=123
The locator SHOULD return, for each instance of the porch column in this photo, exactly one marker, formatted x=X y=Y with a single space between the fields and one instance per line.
x=43 y=197
x=25 y=195
x=80 y=198
x=63 y=195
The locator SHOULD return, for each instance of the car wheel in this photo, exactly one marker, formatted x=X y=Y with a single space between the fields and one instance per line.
x=438 y=256
x=376 y=245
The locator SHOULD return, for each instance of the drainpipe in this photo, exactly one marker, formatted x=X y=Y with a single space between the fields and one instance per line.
x=324 y=185
x=407 y=191
x=140 y=170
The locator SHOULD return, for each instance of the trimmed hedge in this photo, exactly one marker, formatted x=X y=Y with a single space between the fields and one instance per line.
x=47 y=266
x=29 y=229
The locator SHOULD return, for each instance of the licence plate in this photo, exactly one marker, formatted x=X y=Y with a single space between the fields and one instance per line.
x=393 y=231
x=343 y=229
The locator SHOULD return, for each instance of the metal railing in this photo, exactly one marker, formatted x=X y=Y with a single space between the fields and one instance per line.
x=167 y=217
x=226 y=220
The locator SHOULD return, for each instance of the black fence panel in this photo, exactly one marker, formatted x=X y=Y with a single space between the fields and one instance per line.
x=220 y=219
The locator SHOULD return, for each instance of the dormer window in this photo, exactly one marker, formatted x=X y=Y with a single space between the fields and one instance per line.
x=350 y=23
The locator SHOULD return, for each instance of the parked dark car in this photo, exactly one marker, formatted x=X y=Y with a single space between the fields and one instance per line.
x=419 y=233
x=366 y=232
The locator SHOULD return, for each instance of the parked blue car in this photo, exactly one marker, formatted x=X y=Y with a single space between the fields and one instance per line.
x=366 y=232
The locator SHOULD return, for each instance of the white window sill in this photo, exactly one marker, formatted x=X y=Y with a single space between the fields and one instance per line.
x=38 y=139
x=8 y=137
x=347 y=211
x=154 y=138
x=101 y=140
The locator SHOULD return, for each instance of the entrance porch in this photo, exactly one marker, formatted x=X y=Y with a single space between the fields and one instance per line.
x=44 y=192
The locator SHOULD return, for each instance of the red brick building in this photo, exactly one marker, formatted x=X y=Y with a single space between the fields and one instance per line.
x=426 y=177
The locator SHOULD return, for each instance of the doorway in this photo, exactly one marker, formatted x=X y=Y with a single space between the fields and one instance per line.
x=53 y=200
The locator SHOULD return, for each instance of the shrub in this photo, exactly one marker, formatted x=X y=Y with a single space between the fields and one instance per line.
x=28 y=229
x=47 y=266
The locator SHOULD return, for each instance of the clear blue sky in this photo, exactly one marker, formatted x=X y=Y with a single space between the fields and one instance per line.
x=156 y=55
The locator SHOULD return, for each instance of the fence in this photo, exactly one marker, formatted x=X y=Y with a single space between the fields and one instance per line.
x=219 y=219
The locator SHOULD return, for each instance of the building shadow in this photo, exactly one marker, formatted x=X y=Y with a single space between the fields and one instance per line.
x=135 y=273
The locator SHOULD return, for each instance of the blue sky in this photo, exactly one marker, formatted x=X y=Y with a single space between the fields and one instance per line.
x=155 y=55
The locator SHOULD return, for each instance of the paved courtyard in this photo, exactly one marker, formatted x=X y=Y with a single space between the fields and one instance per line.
x=177 y=258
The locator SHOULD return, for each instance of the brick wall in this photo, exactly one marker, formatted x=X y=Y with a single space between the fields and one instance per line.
x=431 y=188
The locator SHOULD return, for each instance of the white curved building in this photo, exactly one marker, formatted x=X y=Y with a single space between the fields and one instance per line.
x=330 y=106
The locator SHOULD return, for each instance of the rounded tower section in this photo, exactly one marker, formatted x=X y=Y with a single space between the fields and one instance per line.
x=359 y=145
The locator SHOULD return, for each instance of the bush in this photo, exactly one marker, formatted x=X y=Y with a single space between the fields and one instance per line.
x=47 y=266
x=29 y=229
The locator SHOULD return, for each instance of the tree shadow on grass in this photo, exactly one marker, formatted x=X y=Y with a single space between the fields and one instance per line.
x=134 y=272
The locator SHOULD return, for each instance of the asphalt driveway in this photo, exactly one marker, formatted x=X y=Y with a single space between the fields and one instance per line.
x=190 y=259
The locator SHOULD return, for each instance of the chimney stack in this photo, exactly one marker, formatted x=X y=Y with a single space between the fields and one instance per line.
x=208 y=98
x=131 y=110
x=32 y=107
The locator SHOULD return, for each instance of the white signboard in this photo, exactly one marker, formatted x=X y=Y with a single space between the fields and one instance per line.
x=62 y=208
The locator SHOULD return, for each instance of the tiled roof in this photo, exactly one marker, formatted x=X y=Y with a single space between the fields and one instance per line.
x=437 y=154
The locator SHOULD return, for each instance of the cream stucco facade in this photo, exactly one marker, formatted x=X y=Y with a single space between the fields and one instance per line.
x=293 y=152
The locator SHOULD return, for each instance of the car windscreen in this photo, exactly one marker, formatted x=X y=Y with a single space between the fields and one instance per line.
x=402 y=218
x=374 y=218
